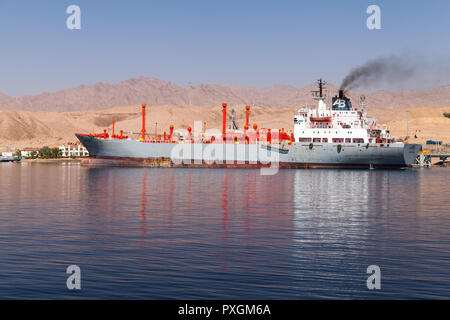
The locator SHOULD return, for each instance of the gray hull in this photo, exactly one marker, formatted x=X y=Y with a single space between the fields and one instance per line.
x=297 y=155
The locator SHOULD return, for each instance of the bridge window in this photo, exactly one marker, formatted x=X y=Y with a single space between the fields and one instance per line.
x=358 y=140
x=324 y=139
x=316 y=140
x=348 y=140
x=304 y=139
x=338 y=140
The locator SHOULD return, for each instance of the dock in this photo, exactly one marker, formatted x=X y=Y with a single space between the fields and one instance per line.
x=424 y=158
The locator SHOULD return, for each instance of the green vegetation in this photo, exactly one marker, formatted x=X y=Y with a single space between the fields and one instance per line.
x=447 y=114
x=49 y=153
x=33 y=155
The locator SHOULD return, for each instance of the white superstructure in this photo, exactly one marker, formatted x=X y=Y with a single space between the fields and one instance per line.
x=339 y=124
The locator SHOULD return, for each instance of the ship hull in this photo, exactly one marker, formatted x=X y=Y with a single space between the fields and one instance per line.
x=116 y=152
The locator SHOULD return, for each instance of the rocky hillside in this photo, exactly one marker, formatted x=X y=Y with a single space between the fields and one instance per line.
x=157 y=93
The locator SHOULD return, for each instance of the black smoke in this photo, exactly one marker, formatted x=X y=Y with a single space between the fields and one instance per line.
x=380 y=71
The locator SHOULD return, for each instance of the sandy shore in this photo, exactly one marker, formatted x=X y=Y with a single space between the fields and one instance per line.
x=76 y=160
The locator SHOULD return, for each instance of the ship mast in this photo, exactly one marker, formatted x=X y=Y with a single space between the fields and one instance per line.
x=321 y=84
x=320 y=95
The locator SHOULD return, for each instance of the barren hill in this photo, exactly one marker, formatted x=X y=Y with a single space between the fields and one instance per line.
x=158 y=93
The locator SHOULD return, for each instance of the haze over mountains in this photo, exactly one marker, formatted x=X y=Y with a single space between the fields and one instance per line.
x=156 y=92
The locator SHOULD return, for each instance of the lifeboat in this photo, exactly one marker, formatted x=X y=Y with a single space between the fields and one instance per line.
x=320 y=119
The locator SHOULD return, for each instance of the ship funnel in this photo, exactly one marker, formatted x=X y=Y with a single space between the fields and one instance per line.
x=341 y=94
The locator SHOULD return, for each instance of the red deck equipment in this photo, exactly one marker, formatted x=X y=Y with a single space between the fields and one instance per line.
x=171 y=133
x=247 y=114
x=224 y=120
x=143 y=122
x=189 y=133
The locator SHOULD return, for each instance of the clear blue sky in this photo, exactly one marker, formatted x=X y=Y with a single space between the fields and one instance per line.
x=227 y=42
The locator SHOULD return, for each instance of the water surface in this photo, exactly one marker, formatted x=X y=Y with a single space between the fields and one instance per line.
x=223 y=233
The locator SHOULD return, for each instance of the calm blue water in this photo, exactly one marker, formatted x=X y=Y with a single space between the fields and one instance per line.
x=223 y=234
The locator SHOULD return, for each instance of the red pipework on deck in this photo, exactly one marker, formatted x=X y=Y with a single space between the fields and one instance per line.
x=143 y=122
x=247 y=113
x=171 y=133
x=189 y=133
x=255 y=127
x=247 y=139
x=247 y=136
x=284 y=136
x=103 y=135
x=224 y=120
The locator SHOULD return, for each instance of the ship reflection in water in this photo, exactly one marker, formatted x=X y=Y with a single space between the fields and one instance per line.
x=218 y=233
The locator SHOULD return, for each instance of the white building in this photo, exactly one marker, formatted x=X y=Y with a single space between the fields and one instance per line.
x=28 y=152
x=73 y=150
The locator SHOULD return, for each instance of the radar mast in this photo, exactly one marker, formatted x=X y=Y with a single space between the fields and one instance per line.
x=320 y=94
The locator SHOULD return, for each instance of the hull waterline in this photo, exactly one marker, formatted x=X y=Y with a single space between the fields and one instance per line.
x=110 y=152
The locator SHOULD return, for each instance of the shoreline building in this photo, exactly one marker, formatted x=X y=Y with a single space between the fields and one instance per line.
x=7 y=154
x=73 y=150
x=29 y=152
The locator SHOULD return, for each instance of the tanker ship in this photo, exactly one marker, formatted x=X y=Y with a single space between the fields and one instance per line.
x=339 y=136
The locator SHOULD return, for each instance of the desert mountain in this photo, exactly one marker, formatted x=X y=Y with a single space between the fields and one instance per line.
x=157 y=93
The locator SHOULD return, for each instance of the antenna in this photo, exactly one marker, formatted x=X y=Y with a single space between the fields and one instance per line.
x=321 y=83
x=189 y=92
x=321 y=93
x=362 y=99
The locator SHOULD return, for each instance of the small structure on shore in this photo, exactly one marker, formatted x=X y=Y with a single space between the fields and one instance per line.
x=73 y=150
x=29 y=152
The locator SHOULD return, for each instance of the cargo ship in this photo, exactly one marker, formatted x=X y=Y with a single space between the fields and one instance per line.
x=340 y=136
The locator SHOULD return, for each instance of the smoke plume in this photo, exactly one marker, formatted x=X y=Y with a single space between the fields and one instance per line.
x=380 y=71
